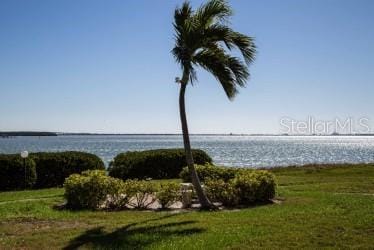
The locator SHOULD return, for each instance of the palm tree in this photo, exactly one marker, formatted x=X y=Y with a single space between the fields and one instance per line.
x=202 y=38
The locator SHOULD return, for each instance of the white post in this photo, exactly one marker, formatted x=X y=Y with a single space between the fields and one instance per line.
x=24 y=155
x=186 y=190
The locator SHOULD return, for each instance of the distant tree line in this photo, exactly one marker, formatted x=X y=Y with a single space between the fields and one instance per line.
x=25 y=133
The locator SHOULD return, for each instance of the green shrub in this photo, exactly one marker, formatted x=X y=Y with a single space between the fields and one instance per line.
x=247 y=187
x=218 y=190
x=168 y=194
x=209 y=171
x=91 y=189
x=53 y=168
x=143 y=193
x=156 y=164
x=16 y=173
x=255 y=186
x=119 y=196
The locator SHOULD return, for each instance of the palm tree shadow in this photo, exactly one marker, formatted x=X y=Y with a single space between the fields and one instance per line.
x=133 y=235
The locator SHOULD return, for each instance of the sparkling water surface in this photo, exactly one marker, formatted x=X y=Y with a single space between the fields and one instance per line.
x=241 y=151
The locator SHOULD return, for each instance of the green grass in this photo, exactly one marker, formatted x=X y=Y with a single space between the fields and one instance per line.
x=323 y=207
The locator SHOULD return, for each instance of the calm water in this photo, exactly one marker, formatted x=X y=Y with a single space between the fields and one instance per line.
x=248 y=151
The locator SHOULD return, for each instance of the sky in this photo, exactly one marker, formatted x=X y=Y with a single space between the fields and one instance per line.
x=106 y=67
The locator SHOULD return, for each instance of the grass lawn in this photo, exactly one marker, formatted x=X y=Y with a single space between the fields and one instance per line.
x=330 y=207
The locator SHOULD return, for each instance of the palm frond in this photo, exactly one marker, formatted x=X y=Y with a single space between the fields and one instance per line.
x=220 y=33
x=182 y=14
x=246 y=46
x=239 y=69
x=214 y=10
x=202 y=38
x=217 y=62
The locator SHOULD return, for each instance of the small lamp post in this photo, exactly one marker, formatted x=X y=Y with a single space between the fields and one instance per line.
x=24 y=155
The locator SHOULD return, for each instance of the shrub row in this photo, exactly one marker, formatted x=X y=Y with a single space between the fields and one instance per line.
x=156 y=164
x=53 y=168
x=16 y=173
x=94 y=189
x=44 y=170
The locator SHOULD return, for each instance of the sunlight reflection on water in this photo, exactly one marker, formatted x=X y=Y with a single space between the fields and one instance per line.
x=244 y=151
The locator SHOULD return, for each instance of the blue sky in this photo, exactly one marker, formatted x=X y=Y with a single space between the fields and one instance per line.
x=105 y=66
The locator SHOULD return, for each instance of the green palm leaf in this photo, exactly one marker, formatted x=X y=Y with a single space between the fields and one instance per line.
x=202 y=38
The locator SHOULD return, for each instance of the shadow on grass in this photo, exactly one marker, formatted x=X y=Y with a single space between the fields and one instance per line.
x=134 y=235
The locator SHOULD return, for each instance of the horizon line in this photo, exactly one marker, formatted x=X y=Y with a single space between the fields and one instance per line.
x=49 y=133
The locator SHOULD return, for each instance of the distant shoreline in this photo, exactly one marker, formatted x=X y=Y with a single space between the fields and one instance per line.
x=26 y=133
x=31 y=133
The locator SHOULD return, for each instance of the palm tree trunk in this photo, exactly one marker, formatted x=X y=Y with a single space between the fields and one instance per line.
x=203 y=199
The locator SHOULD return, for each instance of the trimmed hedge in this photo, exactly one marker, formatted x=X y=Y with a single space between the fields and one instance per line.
x=15 y=173
x=156 y=164
x=209 y=171
x=53 y=167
